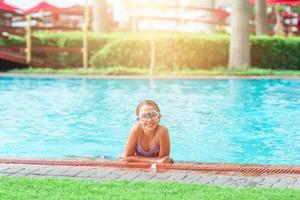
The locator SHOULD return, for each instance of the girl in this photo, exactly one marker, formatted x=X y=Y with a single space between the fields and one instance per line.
x=148 y=141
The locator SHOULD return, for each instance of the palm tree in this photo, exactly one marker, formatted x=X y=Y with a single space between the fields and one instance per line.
x=100 y=16
x=261 y=17
x=239 y=48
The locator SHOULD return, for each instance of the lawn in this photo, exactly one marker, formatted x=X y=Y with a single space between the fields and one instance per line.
x=46 y=188
x=138 y=71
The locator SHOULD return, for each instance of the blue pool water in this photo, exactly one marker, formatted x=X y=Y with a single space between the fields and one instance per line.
x=232 y=121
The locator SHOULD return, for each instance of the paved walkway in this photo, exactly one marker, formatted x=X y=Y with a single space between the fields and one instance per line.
x=105 y=173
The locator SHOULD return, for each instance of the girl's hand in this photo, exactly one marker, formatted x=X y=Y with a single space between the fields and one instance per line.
x=165 y=159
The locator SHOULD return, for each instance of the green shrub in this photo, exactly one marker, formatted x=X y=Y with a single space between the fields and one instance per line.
x=12 y=41
x=192 y=51
x=197 y=51
x=173 y=51
x=68 y=39
x=129 y=53
x=275 y=52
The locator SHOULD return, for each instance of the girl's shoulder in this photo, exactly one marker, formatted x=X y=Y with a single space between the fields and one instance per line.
x=137 y=129
x=161 y=130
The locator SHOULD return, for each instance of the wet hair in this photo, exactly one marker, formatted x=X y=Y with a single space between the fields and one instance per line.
x=146 y=102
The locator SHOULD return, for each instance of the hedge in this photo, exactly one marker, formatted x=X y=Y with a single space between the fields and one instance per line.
x=196 y=51
x=275 y=52
x=173 y=50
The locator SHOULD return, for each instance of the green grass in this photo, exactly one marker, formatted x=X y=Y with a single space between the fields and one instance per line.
x=41 y=188
x=137 y=71
x=81 y=71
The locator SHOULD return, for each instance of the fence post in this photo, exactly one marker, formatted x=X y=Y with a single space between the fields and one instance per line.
x=28 y=39
x=85 y=36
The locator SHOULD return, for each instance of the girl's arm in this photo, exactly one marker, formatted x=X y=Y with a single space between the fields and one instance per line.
x=164 y=159
x=164 y=152
x=132 y=141
x=164 y=142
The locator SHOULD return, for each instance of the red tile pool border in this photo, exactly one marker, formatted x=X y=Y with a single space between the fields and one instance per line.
x=200 y=167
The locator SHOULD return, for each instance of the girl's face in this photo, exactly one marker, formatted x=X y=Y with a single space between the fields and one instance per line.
x=148 y=117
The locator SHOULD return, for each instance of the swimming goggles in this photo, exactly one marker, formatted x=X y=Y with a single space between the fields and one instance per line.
x=145 y=115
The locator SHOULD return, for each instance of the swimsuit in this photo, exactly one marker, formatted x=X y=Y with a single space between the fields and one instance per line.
x=139 y=151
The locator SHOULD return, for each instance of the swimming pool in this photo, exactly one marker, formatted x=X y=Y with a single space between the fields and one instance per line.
x=231 y=121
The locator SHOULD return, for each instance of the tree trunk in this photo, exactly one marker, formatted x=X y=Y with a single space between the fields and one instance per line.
x=261 y=17
x=239 y=48
x=100 y=16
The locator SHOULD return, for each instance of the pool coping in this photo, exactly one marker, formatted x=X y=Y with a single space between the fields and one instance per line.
x=224 y=168
x=158 y=77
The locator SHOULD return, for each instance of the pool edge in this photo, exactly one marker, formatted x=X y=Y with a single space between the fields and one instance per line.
x=246 y=169
x=159 y=77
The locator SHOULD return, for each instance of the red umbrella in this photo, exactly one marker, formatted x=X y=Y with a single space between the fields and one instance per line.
x=272 y=2
x=7 y=7
x=73 y=10
x=289 y=2
x=222 y=14
x=43 y=6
